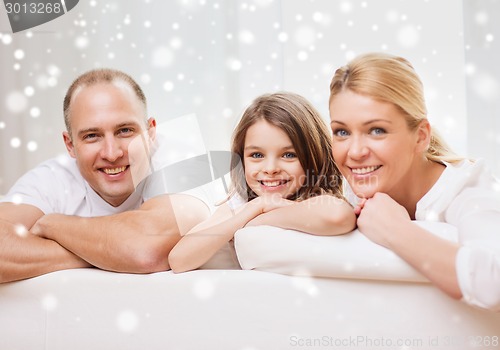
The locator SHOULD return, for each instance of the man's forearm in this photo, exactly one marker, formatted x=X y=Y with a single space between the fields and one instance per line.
x=137 y=241
x=23 y=255
x=115 y=243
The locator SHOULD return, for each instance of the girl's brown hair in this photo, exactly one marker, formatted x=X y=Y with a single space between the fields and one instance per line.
x=309 y=135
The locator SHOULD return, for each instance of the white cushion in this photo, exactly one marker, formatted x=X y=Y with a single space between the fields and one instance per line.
x=353 y=255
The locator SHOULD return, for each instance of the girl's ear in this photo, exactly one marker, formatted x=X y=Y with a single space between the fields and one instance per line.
x=424 y=133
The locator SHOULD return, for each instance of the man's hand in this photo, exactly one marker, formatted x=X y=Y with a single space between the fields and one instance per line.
x=23 y=255
x=45 y=225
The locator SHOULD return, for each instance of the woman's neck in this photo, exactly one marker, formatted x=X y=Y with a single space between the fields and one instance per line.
x=422 y=179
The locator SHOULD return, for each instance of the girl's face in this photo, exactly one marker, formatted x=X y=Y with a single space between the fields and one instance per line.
x=372 y=145
x=271 y=164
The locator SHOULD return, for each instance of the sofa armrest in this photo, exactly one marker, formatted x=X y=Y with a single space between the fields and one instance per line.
x=352 y=255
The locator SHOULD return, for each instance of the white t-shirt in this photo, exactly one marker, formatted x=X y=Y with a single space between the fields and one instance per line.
x=57 y=186
x=467 y=196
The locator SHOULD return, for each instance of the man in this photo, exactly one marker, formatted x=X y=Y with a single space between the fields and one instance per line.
x=92 y=208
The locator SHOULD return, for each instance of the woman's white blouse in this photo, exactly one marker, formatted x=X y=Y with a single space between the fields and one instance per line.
x=468 y=196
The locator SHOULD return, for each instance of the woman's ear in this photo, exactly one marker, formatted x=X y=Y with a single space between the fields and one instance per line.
x=424 y=133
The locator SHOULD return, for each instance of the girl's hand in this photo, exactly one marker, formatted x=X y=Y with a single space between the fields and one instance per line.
x=271 y=202
x=381 y=217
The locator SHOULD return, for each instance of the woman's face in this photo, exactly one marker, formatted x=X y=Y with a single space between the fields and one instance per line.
x=372 y=145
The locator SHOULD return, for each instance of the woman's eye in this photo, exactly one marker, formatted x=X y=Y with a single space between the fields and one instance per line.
x=377 y=131
x=340 y=133
x=256 y=155
x=289 y=155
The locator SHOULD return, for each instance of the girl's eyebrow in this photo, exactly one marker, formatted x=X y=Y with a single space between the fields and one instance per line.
x=251 y=147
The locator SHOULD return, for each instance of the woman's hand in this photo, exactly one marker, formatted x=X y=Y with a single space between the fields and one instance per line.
x=381 y=217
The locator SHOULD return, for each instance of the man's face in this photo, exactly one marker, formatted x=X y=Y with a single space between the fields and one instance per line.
x=105 y=118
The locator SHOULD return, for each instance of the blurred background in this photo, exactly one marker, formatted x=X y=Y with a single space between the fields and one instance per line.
x=207 y=59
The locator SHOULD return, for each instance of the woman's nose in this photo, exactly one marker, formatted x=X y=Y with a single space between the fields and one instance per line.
x=358 y=148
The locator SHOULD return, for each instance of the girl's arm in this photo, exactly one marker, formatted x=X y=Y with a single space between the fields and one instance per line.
x=387 y=223
x=205 y=239
x=323 y=215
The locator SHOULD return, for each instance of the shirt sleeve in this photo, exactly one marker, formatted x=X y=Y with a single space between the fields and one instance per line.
x=44 y=187
x=478 y=259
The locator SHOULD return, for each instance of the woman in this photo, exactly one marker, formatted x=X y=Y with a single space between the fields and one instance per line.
x=402 y=170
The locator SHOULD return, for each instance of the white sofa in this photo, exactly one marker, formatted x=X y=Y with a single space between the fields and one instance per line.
x=376 y=302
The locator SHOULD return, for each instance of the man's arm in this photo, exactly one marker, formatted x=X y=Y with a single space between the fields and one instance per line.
x=136 y=241
x=23 y=255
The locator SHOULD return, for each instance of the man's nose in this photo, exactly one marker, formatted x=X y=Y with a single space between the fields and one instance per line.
x=112 y=149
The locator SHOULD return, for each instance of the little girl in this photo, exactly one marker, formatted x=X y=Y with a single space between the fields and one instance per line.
x=283 y=174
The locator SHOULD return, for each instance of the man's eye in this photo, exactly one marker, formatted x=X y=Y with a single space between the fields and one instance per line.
x=89 y=136
x=125 y=131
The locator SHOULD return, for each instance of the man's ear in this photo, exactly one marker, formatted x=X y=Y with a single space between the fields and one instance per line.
x=152 y=128
x=423 y=136
x=69 y=144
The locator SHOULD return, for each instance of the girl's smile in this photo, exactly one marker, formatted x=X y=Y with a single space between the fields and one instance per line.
x=271 y=163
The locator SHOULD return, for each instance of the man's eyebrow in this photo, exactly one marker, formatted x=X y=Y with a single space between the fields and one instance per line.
x=117 y=126
x=87 y=130
x=127 y=123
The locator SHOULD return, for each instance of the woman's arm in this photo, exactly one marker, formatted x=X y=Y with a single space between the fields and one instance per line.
x=321 y=215
x=387 y=223
x=205 y=239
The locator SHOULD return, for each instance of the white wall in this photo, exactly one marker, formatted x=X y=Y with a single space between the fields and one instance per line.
x=482 y=52
x=212 y=58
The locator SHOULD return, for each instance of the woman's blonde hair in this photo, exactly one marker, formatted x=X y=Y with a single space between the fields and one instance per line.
x=310 y=138
x=392 y=79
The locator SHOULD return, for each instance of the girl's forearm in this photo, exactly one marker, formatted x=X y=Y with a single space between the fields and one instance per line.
x=201 y=243
x=321 y=215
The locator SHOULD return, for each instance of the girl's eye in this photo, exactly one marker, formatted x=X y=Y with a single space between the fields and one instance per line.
x=340 y=133
x=377 y=131
x=289 y=155
x=256 y=155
